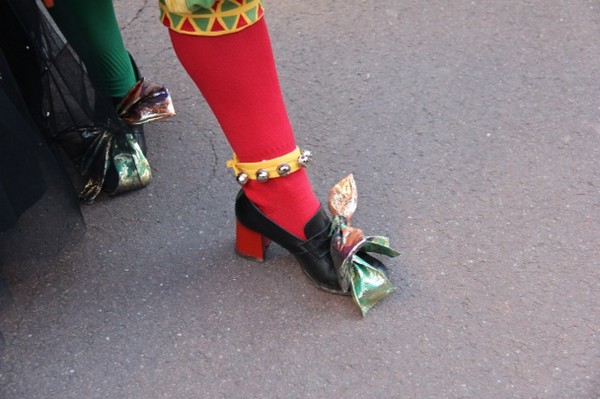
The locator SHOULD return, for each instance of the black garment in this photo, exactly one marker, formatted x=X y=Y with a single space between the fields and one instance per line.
x=43 y=91
x=21 y=180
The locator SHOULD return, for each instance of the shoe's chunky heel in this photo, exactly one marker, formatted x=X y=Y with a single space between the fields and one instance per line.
x=249 y=243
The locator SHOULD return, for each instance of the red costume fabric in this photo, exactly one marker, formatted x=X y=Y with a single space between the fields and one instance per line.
x=236 y=74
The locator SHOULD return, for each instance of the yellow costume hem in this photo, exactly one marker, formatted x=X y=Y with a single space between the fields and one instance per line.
x=222 y=18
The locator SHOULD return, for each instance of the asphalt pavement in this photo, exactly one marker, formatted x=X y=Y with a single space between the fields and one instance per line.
x=473 y=132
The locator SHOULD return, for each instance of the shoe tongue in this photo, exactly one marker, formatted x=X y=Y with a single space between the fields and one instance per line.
x=317 y=224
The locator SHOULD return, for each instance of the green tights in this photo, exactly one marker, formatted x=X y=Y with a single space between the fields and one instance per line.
x=91 y=28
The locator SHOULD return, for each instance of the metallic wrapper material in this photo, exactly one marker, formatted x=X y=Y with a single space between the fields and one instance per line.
x=145 y=102
x=121 y=152
x=95 y=163
x=132 y=166
x=112 y=160
x=358 y=272
x=343 y=197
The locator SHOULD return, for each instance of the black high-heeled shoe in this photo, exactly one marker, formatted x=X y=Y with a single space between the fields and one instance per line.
x=334 y=256
x=255 y=231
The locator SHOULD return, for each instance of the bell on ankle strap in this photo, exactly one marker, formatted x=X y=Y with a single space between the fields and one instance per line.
x=269 y=169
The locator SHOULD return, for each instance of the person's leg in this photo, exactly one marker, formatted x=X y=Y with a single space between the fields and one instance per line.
x=237 y=76
x=91 y=28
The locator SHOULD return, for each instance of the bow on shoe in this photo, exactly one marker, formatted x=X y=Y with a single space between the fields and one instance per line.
x=113 y=160
x=358 y=272
x=145 y=102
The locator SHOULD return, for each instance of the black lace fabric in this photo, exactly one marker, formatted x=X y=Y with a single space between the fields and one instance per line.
x=44 y=90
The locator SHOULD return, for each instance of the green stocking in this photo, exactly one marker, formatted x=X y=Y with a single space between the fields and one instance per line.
x=91 y=28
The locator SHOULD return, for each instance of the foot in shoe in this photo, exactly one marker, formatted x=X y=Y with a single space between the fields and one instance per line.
x=255 y=231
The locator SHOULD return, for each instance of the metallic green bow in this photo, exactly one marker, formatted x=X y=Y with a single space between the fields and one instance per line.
x=115 y=163
x=111 y=159
x=358 y=272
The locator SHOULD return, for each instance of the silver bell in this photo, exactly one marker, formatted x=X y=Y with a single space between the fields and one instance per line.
x=304 y=158
x=283 y=169
x=262 y=175
x=242 y=179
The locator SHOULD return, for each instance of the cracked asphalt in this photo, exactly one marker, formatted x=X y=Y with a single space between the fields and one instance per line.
x=473 y=132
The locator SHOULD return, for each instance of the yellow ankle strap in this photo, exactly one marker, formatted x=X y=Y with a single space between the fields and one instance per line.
x=269 y=169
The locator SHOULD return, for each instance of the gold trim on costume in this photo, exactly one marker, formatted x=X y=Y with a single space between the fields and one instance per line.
x=224 y=17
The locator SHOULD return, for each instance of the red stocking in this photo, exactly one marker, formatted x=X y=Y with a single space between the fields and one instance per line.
x=236 y=75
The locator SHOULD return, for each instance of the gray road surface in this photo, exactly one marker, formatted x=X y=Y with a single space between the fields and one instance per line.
x=473 y=131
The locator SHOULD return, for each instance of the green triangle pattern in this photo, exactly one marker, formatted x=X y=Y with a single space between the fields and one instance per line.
x=230 y=21
x=252 y=13
x=228 y=5
x=175 y=18
x=201 y=23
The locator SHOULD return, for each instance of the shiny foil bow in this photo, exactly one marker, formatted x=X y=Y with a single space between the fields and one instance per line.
x=145 y=102
x=113 y=160
x=115 y=163
x=358 y=272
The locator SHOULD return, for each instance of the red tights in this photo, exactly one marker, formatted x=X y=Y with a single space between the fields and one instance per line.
x=236 y=75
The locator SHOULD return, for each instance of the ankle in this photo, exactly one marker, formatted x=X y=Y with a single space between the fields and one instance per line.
x=280 y=188
x=290 y=202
